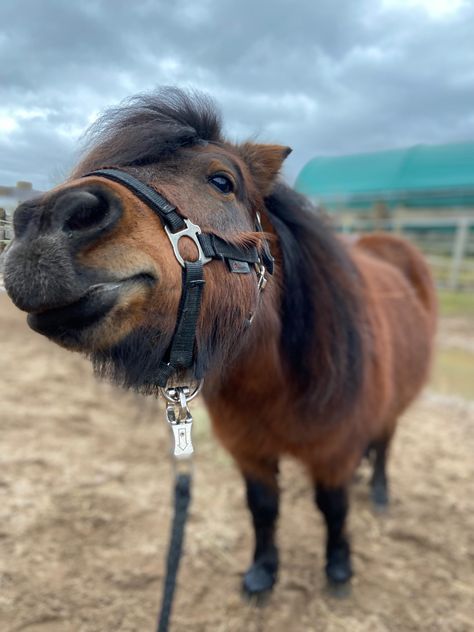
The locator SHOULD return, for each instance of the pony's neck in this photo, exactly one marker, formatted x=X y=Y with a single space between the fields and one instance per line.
x=308 y=331
x=256 y=369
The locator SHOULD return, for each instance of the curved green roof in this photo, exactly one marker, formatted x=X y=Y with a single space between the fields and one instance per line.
x=423 y=175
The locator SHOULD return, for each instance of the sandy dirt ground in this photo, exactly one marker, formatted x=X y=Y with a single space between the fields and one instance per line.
x=85 y=485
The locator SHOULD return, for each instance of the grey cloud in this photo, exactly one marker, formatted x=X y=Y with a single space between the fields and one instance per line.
x=323 y=77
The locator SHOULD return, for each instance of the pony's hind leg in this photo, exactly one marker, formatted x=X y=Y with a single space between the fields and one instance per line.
x=379 y=481
x=263 y=502
x=334 y=505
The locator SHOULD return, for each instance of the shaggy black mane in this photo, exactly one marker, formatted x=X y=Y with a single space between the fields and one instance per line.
x=147 y=127
x=321 y=311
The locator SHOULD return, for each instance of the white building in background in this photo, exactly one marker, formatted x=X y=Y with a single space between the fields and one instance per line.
x=10 y=197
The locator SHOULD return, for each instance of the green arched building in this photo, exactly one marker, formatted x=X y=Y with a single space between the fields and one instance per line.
x=421 y=176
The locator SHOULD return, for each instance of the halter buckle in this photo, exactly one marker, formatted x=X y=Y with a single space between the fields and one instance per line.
x=179 y=418
x=192 y=231
x=261 y=276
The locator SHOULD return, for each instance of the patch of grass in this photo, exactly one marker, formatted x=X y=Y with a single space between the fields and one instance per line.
x=456 y=303
x=454 y=373
x=441 y=269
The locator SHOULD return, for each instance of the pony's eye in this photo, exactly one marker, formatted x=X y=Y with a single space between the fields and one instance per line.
x=222 y=183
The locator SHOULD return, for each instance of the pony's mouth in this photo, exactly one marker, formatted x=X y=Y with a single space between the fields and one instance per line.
x=66 y=323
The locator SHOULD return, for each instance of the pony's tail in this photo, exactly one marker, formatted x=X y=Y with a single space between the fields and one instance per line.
x=410 y=262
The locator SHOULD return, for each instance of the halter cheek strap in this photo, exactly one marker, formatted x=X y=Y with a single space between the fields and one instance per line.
x=239 y=259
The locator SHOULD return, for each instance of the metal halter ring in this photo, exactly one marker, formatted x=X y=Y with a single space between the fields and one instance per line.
x=171 y=393
x=192 y=231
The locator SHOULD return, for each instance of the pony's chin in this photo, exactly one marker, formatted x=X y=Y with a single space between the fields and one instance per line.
x=135 y=361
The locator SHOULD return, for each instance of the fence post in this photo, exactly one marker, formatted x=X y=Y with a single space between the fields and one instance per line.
x=3 y=232
x=459 y=249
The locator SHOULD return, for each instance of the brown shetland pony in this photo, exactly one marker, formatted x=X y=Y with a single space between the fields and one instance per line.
x=341 y=339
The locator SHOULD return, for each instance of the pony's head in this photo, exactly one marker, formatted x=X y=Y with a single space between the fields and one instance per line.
x=92 y=262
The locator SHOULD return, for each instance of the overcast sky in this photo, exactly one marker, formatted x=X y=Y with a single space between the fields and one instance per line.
x=323 y=76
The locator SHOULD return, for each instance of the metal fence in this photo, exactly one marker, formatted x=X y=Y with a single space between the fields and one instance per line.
x=5 y=233
x=447 y=241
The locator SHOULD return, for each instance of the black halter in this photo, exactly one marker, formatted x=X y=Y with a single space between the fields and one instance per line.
x=239 y=259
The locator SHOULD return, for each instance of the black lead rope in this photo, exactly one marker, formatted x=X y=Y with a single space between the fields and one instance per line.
x=182 y=498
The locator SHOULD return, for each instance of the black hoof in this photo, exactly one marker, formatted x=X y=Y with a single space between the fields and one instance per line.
x=339 y=573
x=338 y=567
x=379 y=496
x=258 y=582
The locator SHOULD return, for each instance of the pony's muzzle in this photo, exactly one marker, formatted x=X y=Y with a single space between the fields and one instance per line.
x=41 y=268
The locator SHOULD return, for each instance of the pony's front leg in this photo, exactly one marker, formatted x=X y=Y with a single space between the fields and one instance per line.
x=334 y=505
x=263 y=502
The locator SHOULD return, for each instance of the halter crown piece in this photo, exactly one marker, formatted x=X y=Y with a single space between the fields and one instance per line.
x=179 y=357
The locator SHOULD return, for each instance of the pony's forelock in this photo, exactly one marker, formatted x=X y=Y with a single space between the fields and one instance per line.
x=148 y=127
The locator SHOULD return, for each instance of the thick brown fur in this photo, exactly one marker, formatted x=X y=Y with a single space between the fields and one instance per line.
x=255 y=415
x=342 y=337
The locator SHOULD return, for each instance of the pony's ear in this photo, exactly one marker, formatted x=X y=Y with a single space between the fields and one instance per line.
x=264 y=162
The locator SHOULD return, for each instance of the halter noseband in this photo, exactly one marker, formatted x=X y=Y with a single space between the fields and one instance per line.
x=239 y=259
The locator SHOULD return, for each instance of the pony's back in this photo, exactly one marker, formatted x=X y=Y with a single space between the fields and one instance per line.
x=401 y=254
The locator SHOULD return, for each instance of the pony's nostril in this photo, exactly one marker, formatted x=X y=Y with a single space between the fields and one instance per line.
x=86 y=211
